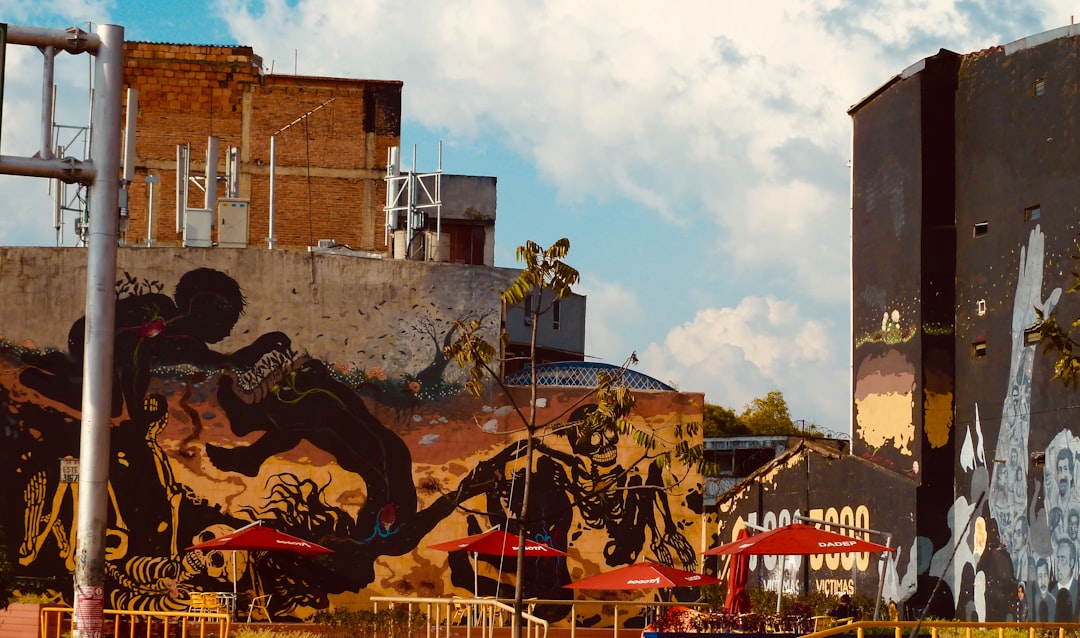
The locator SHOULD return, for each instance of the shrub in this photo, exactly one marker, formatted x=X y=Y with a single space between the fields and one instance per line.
x=394 y=622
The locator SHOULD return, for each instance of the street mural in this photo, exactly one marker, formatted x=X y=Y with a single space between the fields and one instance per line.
x=373 y=464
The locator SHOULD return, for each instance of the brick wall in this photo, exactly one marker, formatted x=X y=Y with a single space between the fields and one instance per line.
x=332 y=136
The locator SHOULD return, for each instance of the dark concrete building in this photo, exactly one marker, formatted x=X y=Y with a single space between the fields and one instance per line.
x=965 y=215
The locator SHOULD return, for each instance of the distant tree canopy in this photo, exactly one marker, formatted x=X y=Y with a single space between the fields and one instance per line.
x=766 y=415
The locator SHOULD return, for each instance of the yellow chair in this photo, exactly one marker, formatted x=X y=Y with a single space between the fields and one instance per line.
x=196 y=602
x=259 y=604
x=459 y=612
x=822 y=623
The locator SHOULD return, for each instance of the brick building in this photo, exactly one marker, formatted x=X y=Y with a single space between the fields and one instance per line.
x=329 y=165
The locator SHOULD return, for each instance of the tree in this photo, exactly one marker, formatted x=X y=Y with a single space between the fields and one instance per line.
x=720 y=421
x=768 y=415
x=546 y=278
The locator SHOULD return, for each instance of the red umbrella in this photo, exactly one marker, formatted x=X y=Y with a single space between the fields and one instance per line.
x=737 y=600
x=644 y=575
x=499 y=543
x=257 y=537
x=798 y=539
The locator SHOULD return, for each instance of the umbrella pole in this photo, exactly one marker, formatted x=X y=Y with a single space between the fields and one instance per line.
x=780 y=594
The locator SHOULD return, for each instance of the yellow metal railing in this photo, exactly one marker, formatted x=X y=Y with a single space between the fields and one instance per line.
x=484 y=614
x=902 y=628
x=481 y=615
x=55 y=622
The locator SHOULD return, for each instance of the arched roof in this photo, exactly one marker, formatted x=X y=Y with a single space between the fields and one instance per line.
x=583 y=374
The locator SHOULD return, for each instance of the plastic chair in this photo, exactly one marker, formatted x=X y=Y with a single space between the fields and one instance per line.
x=195 y=601
x=459 y=612
x=822 y=623
x=259 y=603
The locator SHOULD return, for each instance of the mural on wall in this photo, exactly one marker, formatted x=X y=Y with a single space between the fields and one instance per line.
x=1014 y=532
x=832 y=481
x=884 y=386
x=204 y=441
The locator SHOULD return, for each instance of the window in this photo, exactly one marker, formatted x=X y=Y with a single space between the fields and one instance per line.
x=1038 y=87
x=980 y=307
x=978 y=349
x=528 y=310
x=556 y=314
x=1031 y=213
x=1032 y=336
x=980 y=229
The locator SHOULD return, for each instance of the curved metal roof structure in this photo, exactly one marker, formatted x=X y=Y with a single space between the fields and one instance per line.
x=582 y=374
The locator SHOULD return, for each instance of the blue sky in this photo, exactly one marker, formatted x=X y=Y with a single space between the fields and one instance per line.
x=696 y=154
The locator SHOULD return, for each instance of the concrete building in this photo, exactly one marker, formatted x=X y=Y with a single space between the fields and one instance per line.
x=964 y=227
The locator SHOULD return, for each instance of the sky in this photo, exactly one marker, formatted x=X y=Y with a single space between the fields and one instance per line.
x=696 y=154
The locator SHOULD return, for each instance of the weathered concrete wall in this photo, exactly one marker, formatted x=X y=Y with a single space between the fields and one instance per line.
x=339 y=308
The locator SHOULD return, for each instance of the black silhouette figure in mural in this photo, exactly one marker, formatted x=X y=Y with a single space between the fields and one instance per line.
x=265 y=387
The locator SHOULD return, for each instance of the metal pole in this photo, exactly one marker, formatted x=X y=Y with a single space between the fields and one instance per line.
x=100 y=326
x=48 y=95
x=270 y=237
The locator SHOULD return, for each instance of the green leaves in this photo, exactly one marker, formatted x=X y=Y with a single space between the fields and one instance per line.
x=544 y=270
x=473 y=352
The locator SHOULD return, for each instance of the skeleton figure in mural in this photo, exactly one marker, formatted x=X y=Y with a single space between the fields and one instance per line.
x=632 y=509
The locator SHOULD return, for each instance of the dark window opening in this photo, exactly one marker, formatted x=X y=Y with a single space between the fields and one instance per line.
x=1038 y=87
x=1032 y=336
x=980 y=229
x=1032 y=213
x=978 y=349
x=528 y=310
x=556 y=314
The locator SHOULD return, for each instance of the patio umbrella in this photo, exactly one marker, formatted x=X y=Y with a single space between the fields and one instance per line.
x=737 y=600
x=644 y=575
x=796 y=539
x=258 y=537
x=498 y=543
x=495 y=542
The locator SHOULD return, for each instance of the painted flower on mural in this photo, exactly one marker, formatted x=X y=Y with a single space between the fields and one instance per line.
x=152 y=328
x=891 y=331
x=413 y=387
x=377 y=374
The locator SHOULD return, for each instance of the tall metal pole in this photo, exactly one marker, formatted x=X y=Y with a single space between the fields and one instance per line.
x=100 y=327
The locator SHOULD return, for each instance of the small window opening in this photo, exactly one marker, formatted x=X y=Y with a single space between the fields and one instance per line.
x=1031 y=213
x=556 y=314
x=1032 y=336
x=980 y=307
x=1038 y=87
x=528 y=310
x=980 y=229
x=978 y=349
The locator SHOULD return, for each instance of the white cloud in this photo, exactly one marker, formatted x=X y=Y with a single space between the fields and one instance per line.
x=739 y=353
x=610 y=311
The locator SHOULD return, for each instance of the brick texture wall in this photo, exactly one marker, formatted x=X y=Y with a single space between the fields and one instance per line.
x=332 y=136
